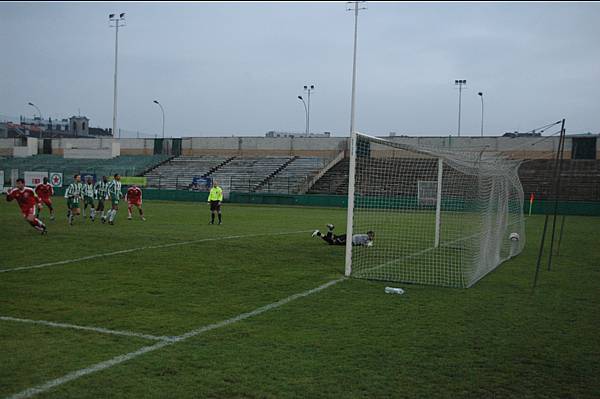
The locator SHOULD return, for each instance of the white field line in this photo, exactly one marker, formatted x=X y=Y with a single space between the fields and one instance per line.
x=131 y=355
x=125 y=251
x=94 y=329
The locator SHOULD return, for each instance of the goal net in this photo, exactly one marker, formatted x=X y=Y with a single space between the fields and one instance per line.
x=440 y=217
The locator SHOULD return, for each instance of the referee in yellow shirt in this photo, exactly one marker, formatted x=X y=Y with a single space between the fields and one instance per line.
x=215 y=197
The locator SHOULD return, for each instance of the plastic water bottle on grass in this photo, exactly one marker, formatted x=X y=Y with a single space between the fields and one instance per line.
x=392 y=290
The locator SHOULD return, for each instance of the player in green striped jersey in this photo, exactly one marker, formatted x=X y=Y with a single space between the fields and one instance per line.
x=101 y=191
x=73 y=195
x=115 y=194
x=88 y=198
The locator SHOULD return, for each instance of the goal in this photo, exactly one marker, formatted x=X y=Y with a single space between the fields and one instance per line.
x=440 y=217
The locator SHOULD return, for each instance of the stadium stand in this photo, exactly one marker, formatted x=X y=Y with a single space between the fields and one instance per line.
x=179 y=172
x=580 y=179
x=335 y=181
x=127 y=165
x=291 y=177
x=243 y=174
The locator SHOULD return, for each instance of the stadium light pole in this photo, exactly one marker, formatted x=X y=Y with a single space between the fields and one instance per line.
x=306 y=114
x=163 y=117
x=39 y=113
x=459 y=83
x=480 y=94
x=36 y=107
x=308 y=88
x=352 y=170
x=118 y=22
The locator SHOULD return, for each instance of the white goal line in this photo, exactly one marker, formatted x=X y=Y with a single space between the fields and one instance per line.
x=125 y=251
x=131 y=355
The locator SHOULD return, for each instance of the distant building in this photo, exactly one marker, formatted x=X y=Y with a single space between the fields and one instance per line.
x=517 y=134
x=273 y=133
x=79 y=125
x=75 y=126
x=57 y=125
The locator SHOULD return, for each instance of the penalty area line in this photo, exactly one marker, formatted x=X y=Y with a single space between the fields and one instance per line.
x=159 y=345
x=126 y=251
x=86 y=328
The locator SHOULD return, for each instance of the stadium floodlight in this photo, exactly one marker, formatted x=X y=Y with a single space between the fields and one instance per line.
x=460 y=83
x=118 y=22
x=308 y=88
x=163 y=117
x=306 y=113
x=440 y=217
x=480 y=94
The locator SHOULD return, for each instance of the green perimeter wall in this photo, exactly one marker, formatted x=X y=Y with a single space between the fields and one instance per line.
x=322 y=200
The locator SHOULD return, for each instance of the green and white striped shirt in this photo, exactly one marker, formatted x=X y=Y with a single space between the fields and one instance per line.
x=88 y=190
x=114 y=189
x=74 y=191
x=101 y=189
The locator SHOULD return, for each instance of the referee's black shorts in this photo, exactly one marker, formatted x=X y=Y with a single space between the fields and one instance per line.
x=215 y=206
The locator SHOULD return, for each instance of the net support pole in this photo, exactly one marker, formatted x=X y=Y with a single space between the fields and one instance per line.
x=557 y=193
x=438 y=202
x=350 y=216
x=556 y=164
x=562 y=228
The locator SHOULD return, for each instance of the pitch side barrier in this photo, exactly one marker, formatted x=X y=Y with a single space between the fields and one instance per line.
x=540 y=207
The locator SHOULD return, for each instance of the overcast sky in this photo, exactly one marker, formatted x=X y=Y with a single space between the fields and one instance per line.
x=237 y=68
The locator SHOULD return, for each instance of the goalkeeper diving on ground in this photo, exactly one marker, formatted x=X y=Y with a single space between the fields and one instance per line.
x=357 y=239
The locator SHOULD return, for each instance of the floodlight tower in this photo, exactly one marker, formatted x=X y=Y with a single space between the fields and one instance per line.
x=308 y=88
x=459 y=83
x=118 y=22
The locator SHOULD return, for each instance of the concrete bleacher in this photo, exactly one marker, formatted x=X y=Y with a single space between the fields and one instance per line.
x=243 y=174
x=179 y=172
x=580 y=180
x=292 y=177
x=282 y=174
x=132 y=165
x=335 y=181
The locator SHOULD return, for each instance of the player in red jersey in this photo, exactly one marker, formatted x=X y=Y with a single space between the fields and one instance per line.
x=27 y=201
x=45 y=191
x=134 y=197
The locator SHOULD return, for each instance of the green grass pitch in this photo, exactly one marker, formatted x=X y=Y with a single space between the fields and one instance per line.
x=496 y=339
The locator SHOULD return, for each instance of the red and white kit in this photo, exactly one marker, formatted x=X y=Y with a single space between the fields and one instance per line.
x=45 y=193
x=26 y=199
x=134 y=196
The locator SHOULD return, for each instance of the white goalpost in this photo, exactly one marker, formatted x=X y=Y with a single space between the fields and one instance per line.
x=440 y=217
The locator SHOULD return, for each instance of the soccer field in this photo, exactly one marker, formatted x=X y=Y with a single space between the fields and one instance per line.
x=174 y=307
